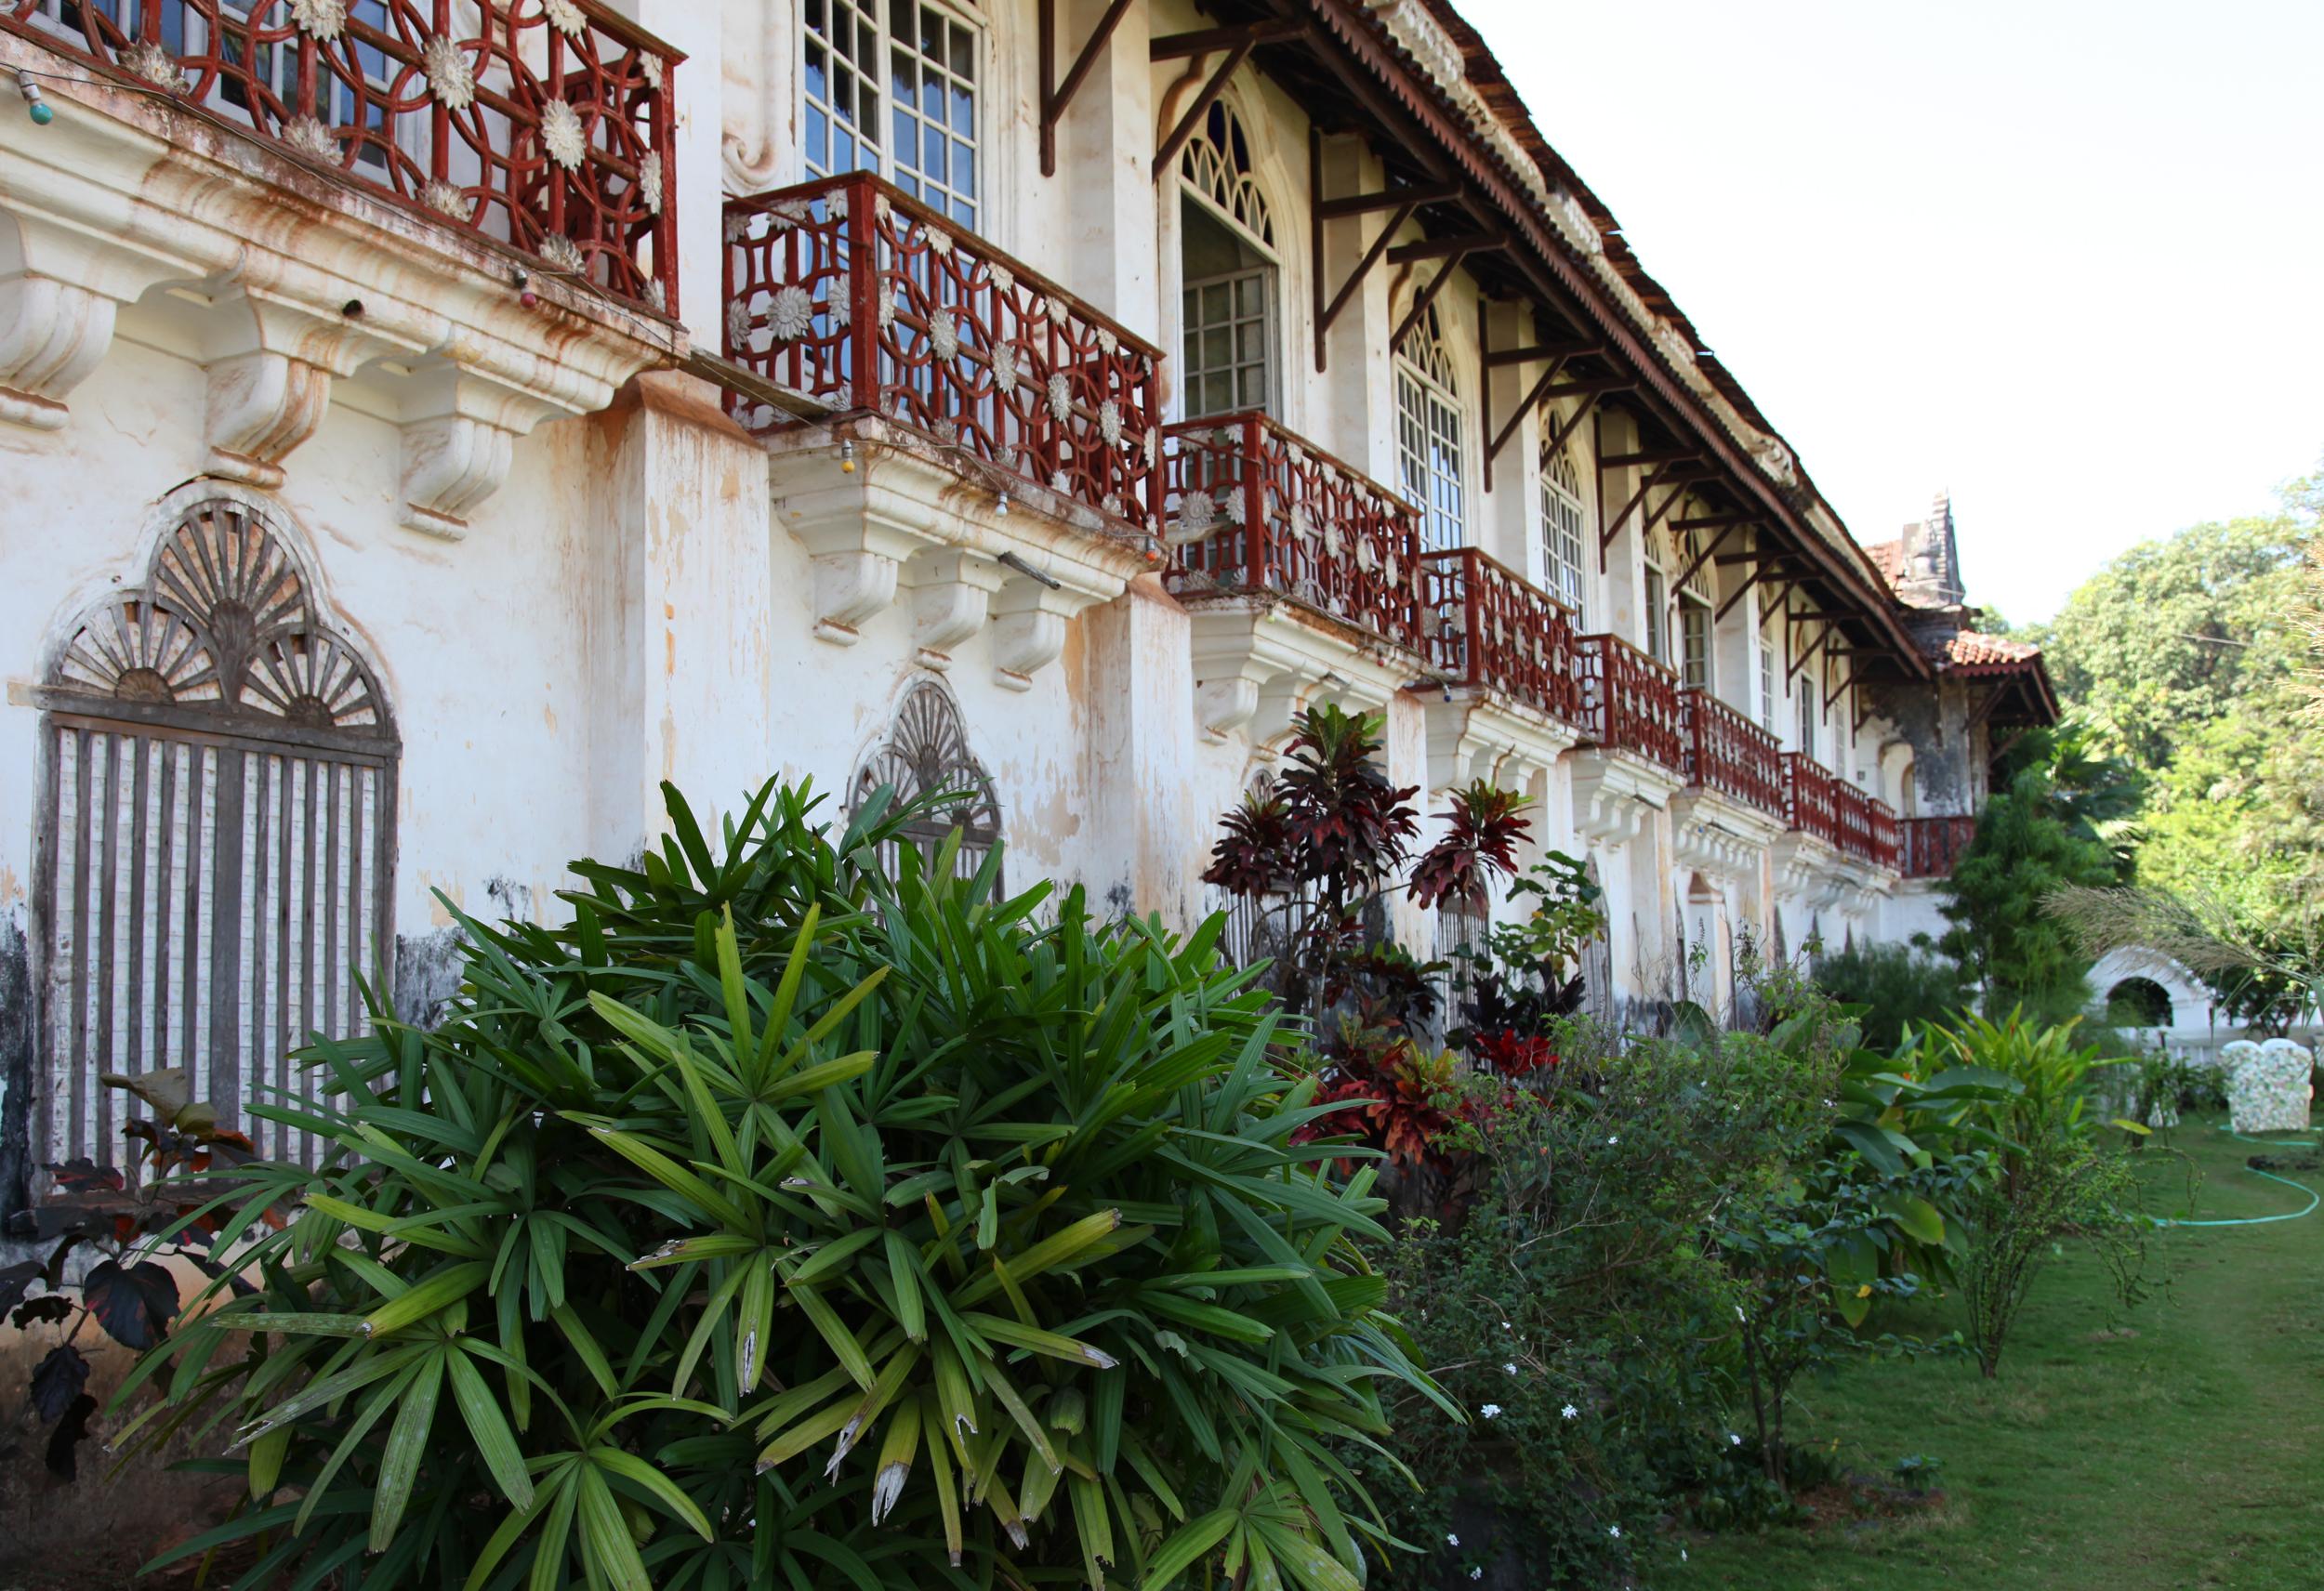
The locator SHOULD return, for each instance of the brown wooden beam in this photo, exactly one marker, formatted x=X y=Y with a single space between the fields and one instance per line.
x=1056 y=95
x=1759 y=572
x=1701 y=557
x=1447 y=248
x=1208 y=41
x=1557 y=438
x=1388 y=199
x=1235 y=56
x=1535 y=351
x=1716 y=521
x=1591 y=385
x=1427 y=295
x=1651 y=455
x=1517 y=417
x=1817 y=645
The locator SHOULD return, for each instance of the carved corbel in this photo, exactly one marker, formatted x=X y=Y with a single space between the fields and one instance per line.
x=269 y=365
x=260 y=406
x=52 y=334
x=1223 y=705
x=952 y=596
x=851 y=588
x=1028 y=631
x=459 y=436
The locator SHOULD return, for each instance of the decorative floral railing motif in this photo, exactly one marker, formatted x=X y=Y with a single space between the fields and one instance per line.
x=1727 y=752
x=963 y=343
x=1628 y=701
x=1931 y=845
x=1250 y=506
x=1488 y=625
x=544 y=125
x=1819 y=802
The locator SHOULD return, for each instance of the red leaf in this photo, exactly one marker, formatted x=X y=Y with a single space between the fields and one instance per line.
x=84 y=1175
x=57 y=1380
x=134 y=1304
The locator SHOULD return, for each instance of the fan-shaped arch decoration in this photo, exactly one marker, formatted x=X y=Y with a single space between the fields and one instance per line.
x=214 y=852
x=1217 y=166
x=224 y=619
x=926 y=753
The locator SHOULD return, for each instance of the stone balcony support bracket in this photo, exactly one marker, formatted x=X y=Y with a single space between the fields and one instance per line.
x=1257 y=663
x=1616 y=795
x=1480 y=734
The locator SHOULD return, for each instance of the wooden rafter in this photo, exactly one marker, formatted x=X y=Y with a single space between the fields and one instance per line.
x=1810 y=651
x=1733 y=523
x=1400 y=205
x=1056 y=95
x=1235 y=55
x=1427 y=295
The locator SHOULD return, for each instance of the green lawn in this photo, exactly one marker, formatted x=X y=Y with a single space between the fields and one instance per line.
x=2175 y=1447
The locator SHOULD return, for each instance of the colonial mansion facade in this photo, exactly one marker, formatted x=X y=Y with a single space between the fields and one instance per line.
x=428 y=426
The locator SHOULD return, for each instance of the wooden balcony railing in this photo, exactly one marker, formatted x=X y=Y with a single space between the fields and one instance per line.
x=853 y=292
x=1821 y=803
x=1727 y=752
x=1810 y=797
x=1931 y=845
x=1250 y=506
x=1488 y=625
x=1628 y=701
x=545 y=128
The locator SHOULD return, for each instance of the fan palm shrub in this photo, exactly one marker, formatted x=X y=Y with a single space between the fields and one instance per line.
x=778 y=1221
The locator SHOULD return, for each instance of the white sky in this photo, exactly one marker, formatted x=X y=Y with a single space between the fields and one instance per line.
x=2065 y=257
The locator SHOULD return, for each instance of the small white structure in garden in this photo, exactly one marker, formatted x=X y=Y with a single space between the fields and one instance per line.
x=2268 y=1085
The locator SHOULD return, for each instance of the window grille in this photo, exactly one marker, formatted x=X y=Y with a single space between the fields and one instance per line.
x=926 y=753
x=926 y=140
x=1429 y=463
x=1563 y=525
x=1658 y=615
x=215 y=855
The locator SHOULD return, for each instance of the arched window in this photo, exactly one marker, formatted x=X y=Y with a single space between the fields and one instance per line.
x=926 y=753
x=1563 y=527
x=1430 y=466
x=1227 y=272
x=217 y=843
x=890 y=87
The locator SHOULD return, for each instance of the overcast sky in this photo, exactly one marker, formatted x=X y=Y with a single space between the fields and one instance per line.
x=2063 y=257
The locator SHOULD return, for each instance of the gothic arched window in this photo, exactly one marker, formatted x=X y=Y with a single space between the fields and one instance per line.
x=1430 y=462
x=1227 y=272
x=1563 y=522
x=217 y=844
x=926 y=753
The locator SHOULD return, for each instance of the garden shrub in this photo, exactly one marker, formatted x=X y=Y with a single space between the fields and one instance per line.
x=780 y=1222
x=1897 y=986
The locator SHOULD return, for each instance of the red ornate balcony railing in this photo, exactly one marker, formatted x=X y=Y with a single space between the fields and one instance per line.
x=959 y=341
x=1931 y=845
x=1810 y=797
x=544 y=125
x=1821 y=803
x=1487 y=624
x=1628 y=701
x=1727 y=752
x=1250 y=506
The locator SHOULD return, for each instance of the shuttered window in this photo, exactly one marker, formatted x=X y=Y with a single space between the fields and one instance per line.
x=216 y=852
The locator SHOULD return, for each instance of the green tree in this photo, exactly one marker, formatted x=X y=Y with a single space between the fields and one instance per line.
x=2055 y=823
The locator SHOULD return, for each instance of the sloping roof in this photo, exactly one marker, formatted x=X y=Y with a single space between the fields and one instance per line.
x=1574 y=233
x=1889 y=559
x=1974 y=649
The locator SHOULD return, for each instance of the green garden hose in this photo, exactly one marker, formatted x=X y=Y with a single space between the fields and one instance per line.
x=2314 y=1198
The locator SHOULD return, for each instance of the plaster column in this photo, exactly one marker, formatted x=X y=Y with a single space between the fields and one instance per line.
x=1147 y=840
x=681 y=612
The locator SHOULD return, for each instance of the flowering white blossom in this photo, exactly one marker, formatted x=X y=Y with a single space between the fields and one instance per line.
x=1491 y=1410
x=1451 y=1540
x=1614 y=1139
x=1734 y=1440
x=1569 y=1412
x=1614 y=1531
x=1477 y=1573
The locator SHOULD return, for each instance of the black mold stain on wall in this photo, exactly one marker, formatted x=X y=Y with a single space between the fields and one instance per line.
x=15 y=1063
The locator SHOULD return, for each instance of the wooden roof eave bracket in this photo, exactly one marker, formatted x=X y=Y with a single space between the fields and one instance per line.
x=1499 y=439
x=1215 y=86
x=1056 y=95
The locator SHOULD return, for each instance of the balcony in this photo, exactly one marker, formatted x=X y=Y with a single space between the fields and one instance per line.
x=1726 y=753
x=851 y=296
x=544 y=129
x=1828 y=808
x=1630 y=702
x=1489 y=628
x=1929 y=846
x=1255 y=509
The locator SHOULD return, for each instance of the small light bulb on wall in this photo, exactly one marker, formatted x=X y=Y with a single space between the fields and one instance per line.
x=847 y=458
x=1000 y=506
x=521 y=280
x=41 y=112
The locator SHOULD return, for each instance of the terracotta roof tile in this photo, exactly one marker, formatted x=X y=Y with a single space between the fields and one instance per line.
x=1972 y=649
